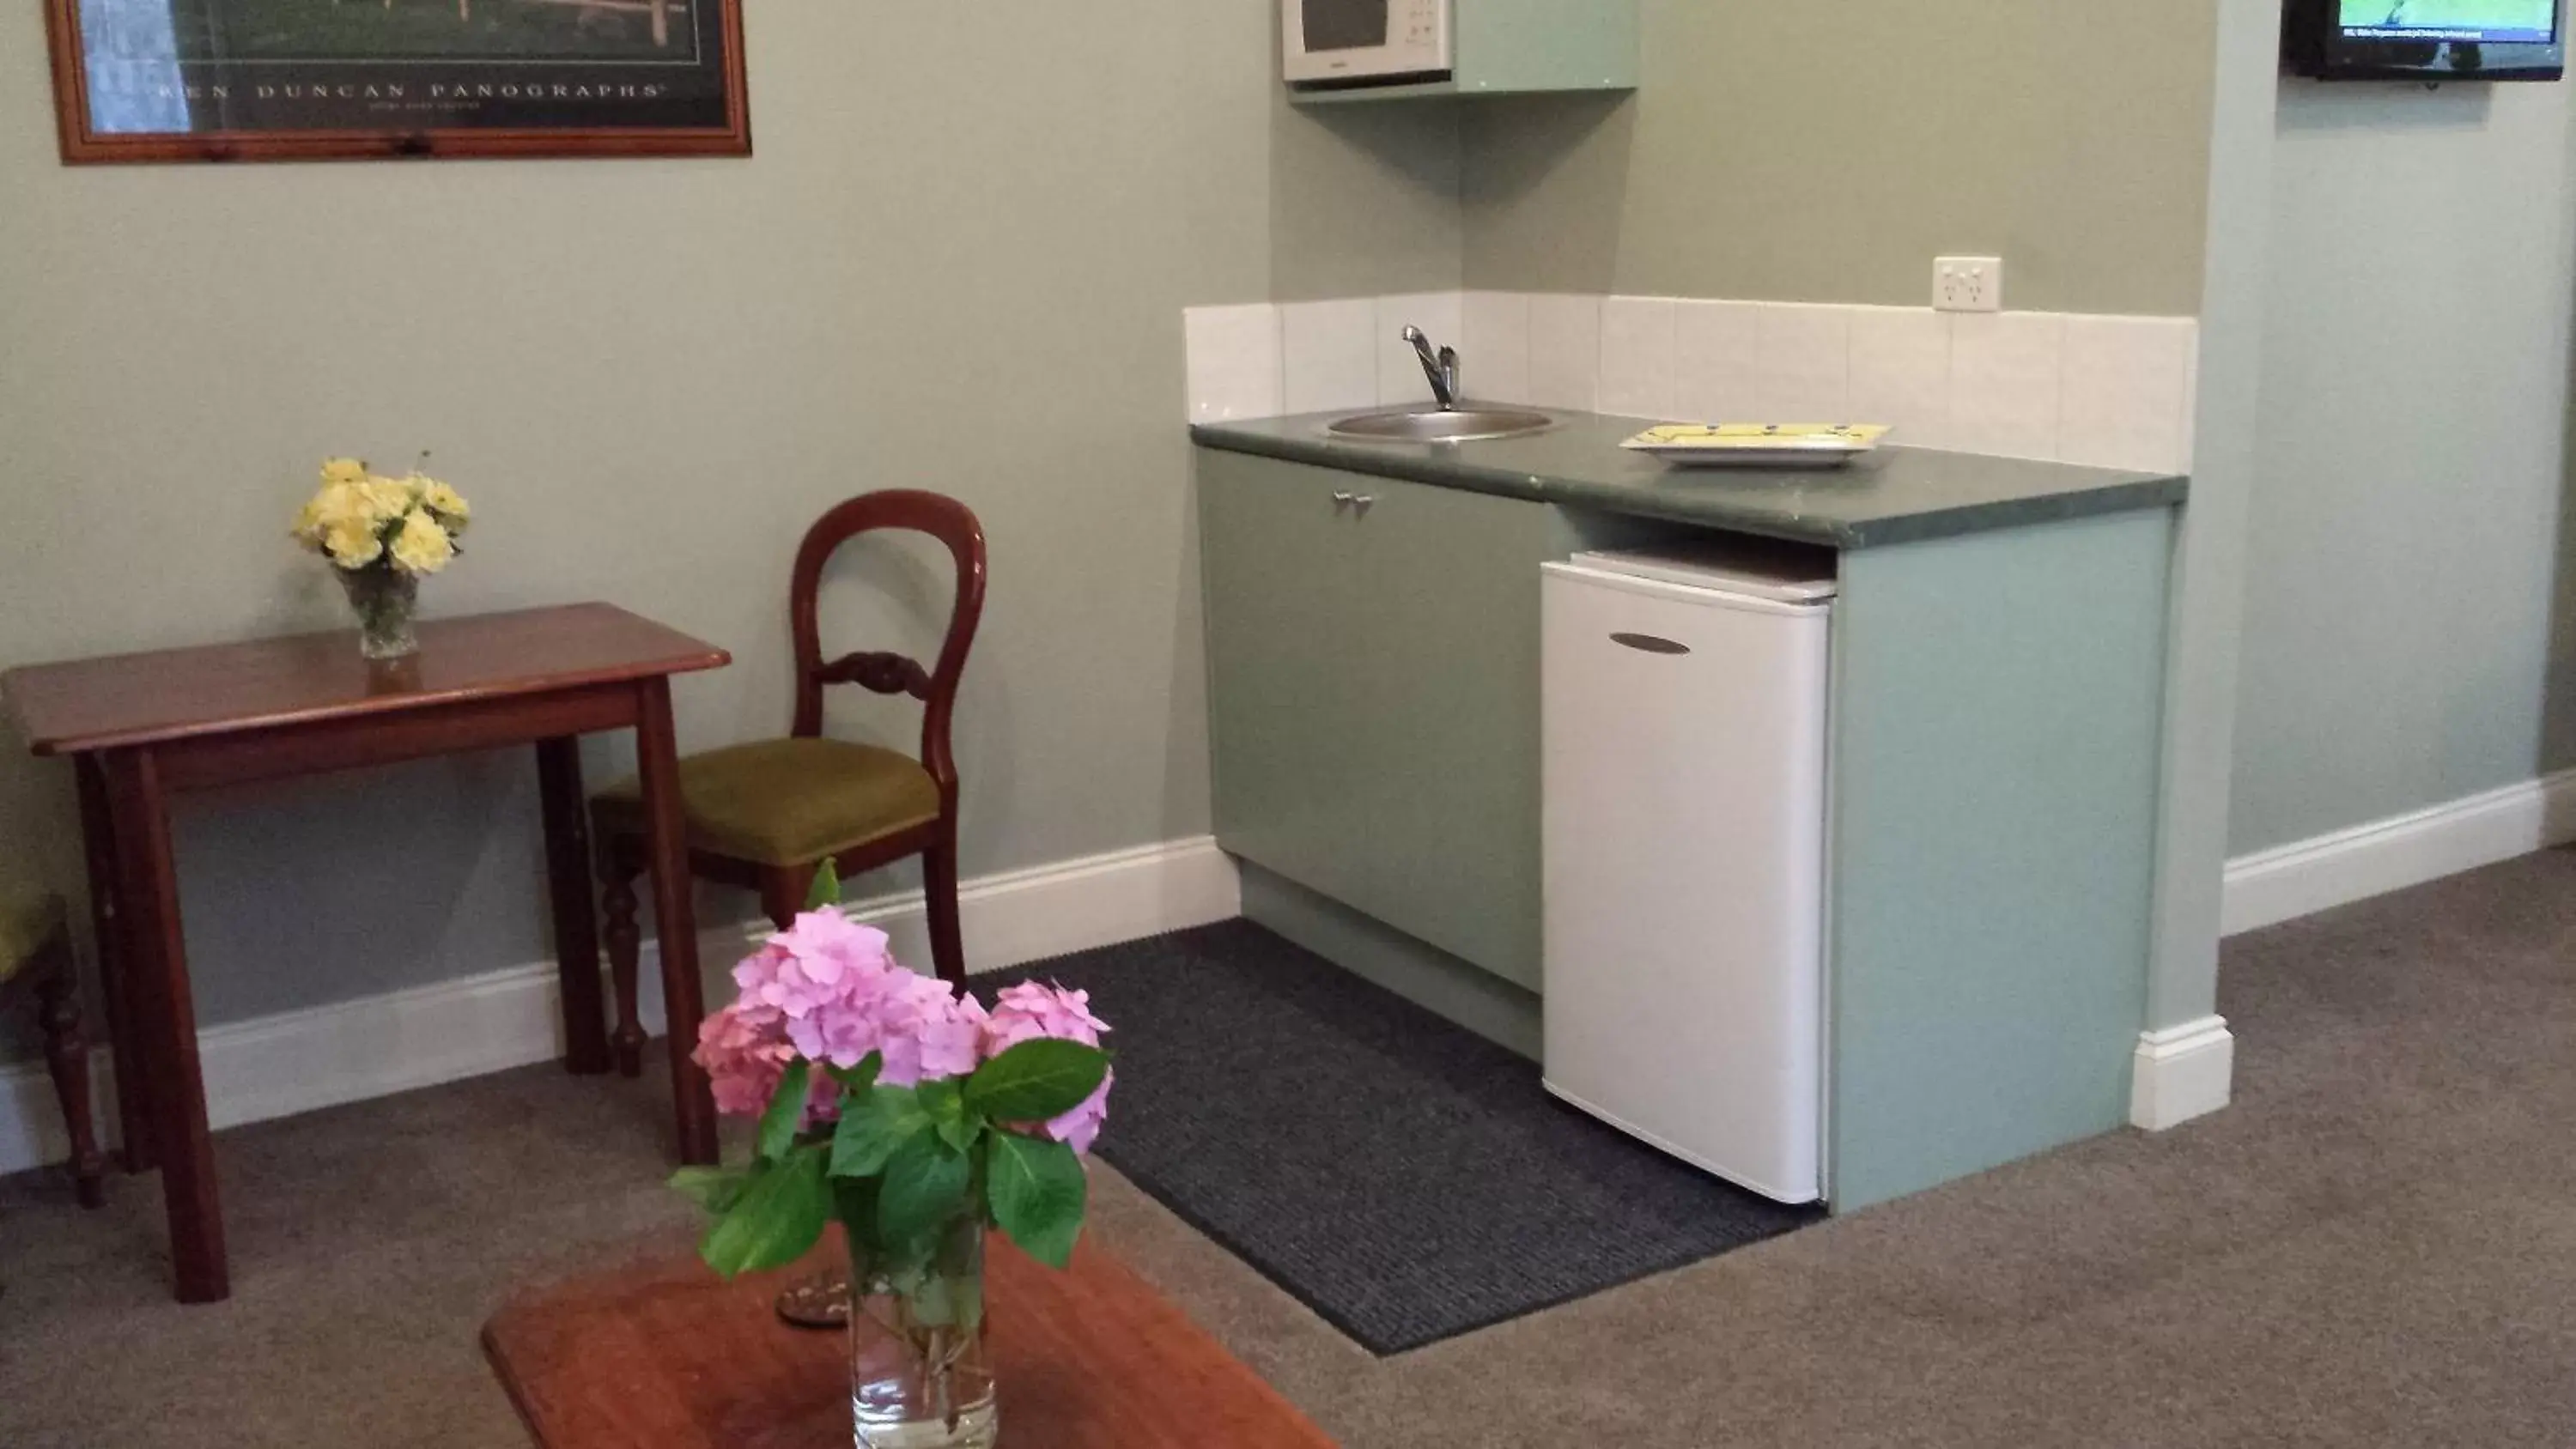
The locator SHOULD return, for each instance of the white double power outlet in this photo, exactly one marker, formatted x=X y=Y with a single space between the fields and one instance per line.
x=1968 y=284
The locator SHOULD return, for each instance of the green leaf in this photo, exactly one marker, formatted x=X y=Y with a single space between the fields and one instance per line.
x=826 y=889
x=1038 y=1190
x=925 y=1184
x=854 y=1202
x=1040 y=1078
x=778 y=1125
x=873 y=1130
x=777 y=1219
x=933 y=1298
x=859 y=1078
x=944 y=1099
x=713 y=1188
x=961 y=1133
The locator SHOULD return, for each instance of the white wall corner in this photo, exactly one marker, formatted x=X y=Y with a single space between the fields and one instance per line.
x=300 y=1061
x=1232 y=362
x=1494 y=346
x=2343 y=866
x=1328 y=355
x=2180 y=1073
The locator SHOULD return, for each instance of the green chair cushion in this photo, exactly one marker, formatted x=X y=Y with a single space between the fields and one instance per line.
x=785 y=802
x=30 y=920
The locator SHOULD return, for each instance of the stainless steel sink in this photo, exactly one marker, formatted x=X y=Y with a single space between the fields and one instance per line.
x=1469 y=424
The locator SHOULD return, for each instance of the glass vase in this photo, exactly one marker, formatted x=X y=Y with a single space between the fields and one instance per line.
x=920 y=1377
x=385 y=601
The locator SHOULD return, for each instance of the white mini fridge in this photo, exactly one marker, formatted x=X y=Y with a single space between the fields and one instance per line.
x=1684 y=718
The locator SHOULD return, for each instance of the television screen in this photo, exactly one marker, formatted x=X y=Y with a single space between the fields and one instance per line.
x=2484 y=22
x=2430 y=40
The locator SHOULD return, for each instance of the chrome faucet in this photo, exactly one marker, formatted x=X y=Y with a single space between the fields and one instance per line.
x=1442 y=369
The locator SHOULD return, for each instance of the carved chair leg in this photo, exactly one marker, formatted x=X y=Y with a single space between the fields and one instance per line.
x=939 y=891
x=67 y=1055
x=782 y=893
x=625 y=954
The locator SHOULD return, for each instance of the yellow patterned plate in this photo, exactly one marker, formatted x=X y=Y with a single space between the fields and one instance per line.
x=1757 y=445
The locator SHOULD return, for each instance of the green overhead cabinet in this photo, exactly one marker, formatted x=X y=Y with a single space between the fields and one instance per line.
x=1520 y=47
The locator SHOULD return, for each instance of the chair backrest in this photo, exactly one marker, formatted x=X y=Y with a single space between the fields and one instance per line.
x=953 y=524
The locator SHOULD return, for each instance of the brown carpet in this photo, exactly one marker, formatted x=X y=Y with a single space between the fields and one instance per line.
x=2376 y=1245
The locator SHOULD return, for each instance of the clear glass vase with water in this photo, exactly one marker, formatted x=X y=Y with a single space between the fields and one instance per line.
x=920 y=1376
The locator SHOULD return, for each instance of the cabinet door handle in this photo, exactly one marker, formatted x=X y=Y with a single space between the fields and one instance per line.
x=1342 y=499
x=1363 y=503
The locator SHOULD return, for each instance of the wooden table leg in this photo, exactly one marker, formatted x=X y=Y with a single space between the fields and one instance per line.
x=165 y=1024
x=674 y=921
x=116 y=983
x=567 y=818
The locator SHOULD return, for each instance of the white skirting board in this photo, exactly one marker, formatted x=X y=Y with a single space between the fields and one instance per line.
x=2184 y=1071
x=2180 y=1073
x=303 y=1060
x=2308 y=876
x=299 y=1061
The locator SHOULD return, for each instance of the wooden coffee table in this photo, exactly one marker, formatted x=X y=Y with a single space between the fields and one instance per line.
x=665 y=1354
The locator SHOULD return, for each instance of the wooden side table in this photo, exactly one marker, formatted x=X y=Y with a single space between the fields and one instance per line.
x=664 y=1353
x=140 y=728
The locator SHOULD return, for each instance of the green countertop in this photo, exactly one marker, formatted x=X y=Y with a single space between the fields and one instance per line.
x=1896 y=495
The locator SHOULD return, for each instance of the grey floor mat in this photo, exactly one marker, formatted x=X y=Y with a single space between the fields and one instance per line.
x=1404 y=1178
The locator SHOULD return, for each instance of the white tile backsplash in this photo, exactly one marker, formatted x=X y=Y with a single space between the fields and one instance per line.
x=1233 y=366
x=1802 y=354
x=1716 y=355
x=2125 y=385
x=1329 y=355
x=1565 y=351
x=1494 y=357
x=2004 y=382
x=2112 y=391
x=1399 y=373
x=1637 y=357
x=1900 y=373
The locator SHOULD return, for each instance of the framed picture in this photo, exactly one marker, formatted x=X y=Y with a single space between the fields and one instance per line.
x=223 y=80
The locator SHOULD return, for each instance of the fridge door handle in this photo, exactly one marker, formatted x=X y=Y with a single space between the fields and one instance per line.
x=1650 y=644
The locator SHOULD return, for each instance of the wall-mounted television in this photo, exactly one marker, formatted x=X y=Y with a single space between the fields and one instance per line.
x=2428 y=40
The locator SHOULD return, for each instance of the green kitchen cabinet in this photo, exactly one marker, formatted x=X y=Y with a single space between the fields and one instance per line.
x=1994 y=740
x=1374 y=647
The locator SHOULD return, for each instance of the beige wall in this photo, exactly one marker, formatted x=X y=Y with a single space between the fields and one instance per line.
x=1827 y=152
x=954 y=263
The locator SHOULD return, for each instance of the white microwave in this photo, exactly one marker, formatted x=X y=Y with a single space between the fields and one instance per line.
x=1360 y=42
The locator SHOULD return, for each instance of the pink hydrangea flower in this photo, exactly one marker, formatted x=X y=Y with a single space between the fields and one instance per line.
x=823 y=959
x=837 y=994
x=744 y=1054
x=1030 y=1009
x=828 y=990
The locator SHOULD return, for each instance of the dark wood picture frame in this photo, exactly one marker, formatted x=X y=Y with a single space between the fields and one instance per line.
x=84 y=144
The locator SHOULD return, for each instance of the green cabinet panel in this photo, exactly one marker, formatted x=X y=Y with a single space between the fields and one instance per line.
x=1374 y=695
x=1997 y=729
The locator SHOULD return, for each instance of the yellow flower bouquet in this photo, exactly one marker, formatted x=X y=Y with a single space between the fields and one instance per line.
x=382 y=536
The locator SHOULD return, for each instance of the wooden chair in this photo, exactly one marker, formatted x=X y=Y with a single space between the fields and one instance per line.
x=36 y=964
x=765 y=816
